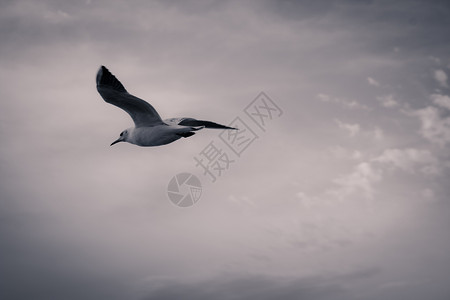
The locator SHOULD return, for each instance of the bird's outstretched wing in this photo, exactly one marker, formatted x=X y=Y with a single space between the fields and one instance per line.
x=196 y=123
x=113 y=92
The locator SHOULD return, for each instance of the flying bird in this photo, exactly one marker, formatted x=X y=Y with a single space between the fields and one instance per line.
x=149 y=129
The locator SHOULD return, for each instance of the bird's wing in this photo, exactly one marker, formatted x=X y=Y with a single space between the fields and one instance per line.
x=195 y=123
x=113 y=92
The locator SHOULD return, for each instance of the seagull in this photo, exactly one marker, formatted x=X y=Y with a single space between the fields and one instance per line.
x=149 y=129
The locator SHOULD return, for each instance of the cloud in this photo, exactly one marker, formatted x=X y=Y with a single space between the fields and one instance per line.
x=434 y=59
x=441 y=100
x=441 y=77
x=435 y=122
x=428 y=195
x=408 y=159
x=360 y=180
x=340 y=152
x=352 y=129
x=258 y=287
x=366 y=174
x=324 y=97
x=378 y=133
x=57 y=16
x=352 y=104
x=355 y=129
x=387 y=101
x=373 y=81
x=434 y=127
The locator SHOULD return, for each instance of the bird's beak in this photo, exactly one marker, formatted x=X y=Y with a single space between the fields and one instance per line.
x=116 y=141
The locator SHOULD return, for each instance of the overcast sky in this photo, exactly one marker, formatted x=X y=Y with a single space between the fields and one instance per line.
x=343 y=196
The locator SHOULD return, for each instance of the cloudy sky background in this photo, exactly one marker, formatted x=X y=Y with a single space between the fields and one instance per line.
x=345 y=196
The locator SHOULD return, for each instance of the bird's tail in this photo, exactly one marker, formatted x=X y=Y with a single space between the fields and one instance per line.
x=104 y=77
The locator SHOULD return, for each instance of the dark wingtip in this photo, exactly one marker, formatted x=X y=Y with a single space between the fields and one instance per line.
x=104 y=77
x=206 y=124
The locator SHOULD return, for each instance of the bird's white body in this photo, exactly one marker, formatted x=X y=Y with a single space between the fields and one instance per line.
x=150 y=129
x=156 y=135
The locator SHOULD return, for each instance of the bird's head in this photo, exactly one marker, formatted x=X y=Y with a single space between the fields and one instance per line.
x=124 y=137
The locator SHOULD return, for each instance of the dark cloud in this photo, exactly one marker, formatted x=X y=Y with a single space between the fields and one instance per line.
x=81 y=220
x=249 y=287
x=361 y=284
x=417 y=27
